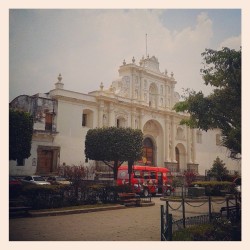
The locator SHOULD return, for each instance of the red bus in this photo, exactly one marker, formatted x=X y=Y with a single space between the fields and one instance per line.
x=146 y=180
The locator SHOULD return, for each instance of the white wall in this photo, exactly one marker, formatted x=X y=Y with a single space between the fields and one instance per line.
x=72 y=134
x=207 y=151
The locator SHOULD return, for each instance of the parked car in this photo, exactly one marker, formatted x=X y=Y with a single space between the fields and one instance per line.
x=35 y=179
x=13 y=181
x=15 y=187
x=55 y=180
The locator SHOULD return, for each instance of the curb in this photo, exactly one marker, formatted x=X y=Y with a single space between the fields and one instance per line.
x=147 y=204
x=74 y=211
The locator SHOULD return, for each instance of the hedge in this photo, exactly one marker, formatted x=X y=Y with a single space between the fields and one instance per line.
x=215 y=187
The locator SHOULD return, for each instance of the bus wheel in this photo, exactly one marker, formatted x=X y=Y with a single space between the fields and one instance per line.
x=145 y=192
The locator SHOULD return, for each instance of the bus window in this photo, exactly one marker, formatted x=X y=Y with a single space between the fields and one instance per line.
x=160 y=179
x=122 y=174
x=152 y=175
x=137 y=174
x=145 y=175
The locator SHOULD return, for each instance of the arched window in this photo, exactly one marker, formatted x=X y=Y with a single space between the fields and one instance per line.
x=177 y=157
x=153 y=91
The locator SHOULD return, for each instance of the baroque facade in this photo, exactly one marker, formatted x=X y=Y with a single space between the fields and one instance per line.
x=142 y=97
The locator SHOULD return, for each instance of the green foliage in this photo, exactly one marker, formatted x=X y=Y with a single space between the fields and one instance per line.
x=43 y=196
x=218 y=170
x=20 y=134
x=215 y=187
x=222 y=108
x=218 y=230
x=114 y=144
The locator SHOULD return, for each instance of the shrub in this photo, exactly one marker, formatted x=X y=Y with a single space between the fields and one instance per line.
x=218 y=230
x=215 y=187
x=44 y=196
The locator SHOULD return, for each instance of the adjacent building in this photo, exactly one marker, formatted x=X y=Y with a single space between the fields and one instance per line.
x=142 y=97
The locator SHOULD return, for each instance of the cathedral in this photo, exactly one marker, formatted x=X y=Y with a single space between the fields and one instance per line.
x=142 y=97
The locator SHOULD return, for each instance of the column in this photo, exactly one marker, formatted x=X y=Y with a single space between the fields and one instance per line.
x=166 y=141
x=100 y=112
x=112 y=121
x=194 y=145
x=173 y=134
x=133 y=115
x=189 y=141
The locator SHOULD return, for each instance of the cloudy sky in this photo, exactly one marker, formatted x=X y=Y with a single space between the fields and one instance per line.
x=88 y=46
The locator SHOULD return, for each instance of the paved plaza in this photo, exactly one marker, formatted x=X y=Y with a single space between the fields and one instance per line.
x=130 y=224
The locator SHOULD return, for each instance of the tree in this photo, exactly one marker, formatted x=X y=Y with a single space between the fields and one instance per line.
x=114 y=145
x=218 y=170
x=222 y=108
x=20 y=134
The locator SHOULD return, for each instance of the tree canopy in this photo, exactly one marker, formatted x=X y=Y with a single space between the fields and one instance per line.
x=20 y=134
x=114 y=145
x=222 y=108
x=218 y=170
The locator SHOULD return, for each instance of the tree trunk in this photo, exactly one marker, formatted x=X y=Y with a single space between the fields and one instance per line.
x=115 y=170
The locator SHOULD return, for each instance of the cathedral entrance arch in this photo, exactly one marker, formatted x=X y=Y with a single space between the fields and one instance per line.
x=153 y=143
x=180 y=157
x=148 y=151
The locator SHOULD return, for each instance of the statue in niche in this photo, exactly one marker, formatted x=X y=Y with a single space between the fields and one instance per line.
x=105 y=120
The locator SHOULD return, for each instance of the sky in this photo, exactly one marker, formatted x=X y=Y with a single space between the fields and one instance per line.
x=87 y=46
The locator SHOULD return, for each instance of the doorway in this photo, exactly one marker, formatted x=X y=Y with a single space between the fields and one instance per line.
x=148 y=151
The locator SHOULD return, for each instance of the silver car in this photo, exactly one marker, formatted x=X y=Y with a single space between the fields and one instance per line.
x=35 y=179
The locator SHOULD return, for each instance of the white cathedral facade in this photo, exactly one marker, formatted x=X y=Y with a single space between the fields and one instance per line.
x=142 y=97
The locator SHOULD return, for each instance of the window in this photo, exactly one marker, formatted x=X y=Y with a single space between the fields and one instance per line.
x=48 y=121
x=118 y=123
x=218 y=139
x=137 y=174
x=84 y=120
x=87 y=118
x=145 y=175
x=153 y=175
x=20 y=162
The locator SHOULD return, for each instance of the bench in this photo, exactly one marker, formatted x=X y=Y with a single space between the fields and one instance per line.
x=230 y=211
x=129 y=199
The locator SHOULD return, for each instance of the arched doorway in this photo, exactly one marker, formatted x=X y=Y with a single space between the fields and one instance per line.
x=153 y=136
x=180 y=157
x=148 y=151
x=177 y=158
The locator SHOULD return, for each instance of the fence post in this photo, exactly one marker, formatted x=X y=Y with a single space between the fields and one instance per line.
x=167 y=209
x=183 y=212
x=162 y=222
x=209 y=208
x=237 y=207
x=227 y=200
x=170 y=227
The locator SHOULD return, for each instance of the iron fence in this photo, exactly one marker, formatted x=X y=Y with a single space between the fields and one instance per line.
x=169 y=225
